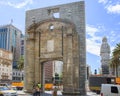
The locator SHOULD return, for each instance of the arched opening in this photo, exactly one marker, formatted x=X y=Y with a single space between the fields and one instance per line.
x=45 y=47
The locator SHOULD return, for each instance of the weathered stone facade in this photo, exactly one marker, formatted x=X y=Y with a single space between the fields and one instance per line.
x=53 y=38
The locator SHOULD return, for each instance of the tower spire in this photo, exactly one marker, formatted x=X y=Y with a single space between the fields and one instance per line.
x=11 y=21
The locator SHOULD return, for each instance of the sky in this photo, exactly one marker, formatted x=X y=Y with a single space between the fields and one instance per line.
x=102 y=18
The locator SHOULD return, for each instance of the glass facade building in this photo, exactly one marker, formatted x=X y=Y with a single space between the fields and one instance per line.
x=3 y=38
x=10 y=39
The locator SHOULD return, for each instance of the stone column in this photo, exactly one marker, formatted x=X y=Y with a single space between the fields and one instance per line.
x=71 y=68
x=29 y=65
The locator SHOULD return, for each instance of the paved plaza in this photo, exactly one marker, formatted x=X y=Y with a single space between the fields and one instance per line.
x=49 y=93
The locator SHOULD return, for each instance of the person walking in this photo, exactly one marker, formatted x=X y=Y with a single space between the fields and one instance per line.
x=36 y=91
x=39 y=85
x=54 y=92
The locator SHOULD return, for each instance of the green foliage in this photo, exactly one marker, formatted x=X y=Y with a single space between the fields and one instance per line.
x=20 y=63
x=115 y=60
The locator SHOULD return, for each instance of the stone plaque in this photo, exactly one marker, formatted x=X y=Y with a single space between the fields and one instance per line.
x=50 y=45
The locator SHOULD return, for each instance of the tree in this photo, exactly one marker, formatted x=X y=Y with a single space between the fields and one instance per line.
x=115 y=60
x=20 y=63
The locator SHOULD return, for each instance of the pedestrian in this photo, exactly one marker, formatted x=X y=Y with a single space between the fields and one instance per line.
x=55 y=91
x=36 y=91
x=39 y=85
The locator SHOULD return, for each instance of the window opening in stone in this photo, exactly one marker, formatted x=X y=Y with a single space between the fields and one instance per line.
x=56 y=15
x=51 y=27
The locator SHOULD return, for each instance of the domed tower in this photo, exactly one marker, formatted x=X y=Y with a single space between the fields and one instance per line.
x=105 y=56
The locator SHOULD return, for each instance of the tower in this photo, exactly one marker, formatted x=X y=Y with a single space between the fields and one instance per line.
x=105 y=56
x=10 y=37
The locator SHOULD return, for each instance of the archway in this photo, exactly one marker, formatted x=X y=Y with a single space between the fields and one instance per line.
x=53 y=39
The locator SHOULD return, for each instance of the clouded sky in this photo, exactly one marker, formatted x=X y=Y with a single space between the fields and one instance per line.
x=102 y=19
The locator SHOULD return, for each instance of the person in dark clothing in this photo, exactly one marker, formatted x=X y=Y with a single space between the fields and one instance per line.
x=36 y=91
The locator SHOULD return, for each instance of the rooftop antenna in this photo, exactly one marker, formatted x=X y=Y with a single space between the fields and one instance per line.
x=11 y=21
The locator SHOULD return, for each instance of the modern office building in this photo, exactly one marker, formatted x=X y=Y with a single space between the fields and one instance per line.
x=10 y=38
x=5 y=66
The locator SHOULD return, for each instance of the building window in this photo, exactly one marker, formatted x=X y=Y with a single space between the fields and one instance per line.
x=114 y=89
x=22 y=42
x=22 y=50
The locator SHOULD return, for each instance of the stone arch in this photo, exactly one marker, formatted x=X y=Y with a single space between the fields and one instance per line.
x=60 y=44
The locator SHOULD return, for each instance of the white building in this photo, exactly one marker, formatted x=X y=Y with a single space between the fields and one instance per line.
x=57 y=67
x=105 y=56
x=18 y=75
x=5 y=65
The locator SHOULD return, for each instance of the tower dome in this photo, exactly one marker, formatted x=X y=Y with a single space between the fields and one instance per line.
x=104 y=39
x=105 y=46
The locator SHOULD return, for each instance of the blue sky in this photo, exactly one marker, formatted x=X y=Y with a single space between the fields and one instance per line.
x=102 y=19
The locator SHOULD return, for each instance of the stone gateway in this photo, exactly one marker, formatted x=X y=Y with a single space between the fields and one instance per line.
x=57 y=33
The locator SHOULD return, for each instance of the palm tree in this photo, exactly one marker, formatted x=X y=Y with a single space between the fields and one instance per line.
x=20 y=63
x=115 y=60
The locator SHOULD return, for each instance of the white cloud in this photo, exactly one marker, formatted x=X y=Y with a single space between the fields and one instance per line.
x=93 y=46
x=94 y=41
x=21 y=4
x=103 y=1
x=113 y=9
x=110 y=6
x=91 y=30
x=114 y=38
x=113 y=33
